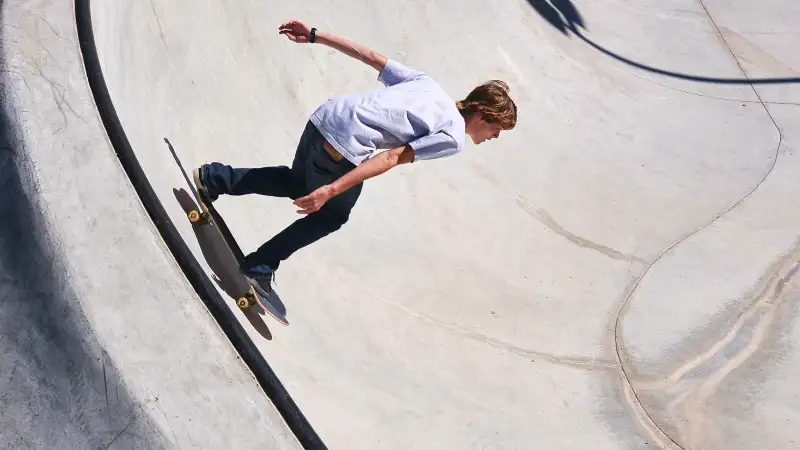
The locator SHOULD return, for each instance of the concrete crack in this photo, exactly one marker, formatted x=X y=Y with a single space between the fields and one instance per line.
x=576 y=362
x=36 y=68
x=56 y=33
x=631 y=394
x=695 y=398
x=7 y=294
x=160 y=27
x=696 y=94
x=19 y=76
x=169 y=424
x=133 y=419
x=761 y=302
x=105 y=381
x=59 y=97
x=545 y=218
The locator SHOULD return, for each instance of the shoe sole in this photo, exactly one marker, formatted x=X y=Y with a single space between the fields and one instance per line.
x=259 y=290
x=201 y=191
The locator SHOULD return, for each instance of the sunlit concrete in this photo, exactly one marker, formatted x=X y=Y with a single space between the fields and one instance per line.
x=619 y=271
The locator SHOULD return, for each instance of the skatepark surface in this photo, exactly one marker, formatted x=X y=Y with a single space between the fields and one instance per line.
x=618 y=272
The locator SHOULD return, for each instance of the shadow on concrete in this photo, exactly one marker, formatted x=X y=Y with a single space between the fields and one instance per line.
x=561 y=14
x=273 y=298
x=255 y=318
x=223 y=257
x=58 y=387
x=566 y=18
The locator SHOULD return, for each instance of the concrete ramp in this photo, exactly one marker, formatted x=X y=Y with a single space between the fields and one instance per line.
x=618 y=272
x=103 y=342
x=60 y=388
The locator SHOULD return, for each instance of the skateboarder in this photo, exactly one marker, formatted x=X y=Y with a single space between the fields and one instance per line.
x=352 y=138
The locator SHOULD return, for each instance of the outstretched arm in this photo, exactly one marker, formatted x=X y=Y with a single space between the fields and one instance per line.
x=372 y=167
x=298 y=32
x=357 y=51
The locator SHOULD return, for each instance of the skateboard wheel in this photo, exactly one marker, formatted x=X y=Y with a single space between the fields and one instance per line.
x=242 y=303
x=194 y=216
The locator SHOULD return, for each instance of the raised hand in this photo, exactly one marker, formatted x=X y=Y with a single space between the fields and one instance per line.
x=296 y=31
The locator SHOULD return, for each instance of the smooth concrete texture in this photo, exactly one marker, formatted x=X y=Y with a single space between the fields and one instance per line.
x=619 y=272
x=103 y=344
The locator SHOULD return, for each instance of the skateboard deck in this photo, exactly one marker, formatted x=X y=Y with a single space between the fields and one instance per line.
x=219 y=252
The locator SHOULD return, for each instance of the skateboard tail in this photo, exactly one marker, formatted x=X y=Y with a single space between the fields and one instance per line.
x=192 y=188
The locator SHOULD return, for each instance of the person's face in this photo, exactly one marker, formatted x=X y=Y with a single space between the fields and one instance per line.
x=482 y=131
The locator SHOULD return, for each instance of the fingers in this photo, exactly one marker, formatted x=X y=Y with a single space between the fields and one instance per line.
x=289 y=35
x=294 y=31
x=307 y=204
x=313 y=202
x=290 y=24
x=308 y=209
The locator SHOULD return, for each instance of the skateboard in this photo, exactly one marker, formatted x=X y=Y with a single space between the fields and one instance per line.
x=218 y=250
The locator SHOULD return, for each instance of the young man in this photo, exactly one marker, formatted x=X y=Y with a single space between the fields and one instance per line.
x=353 y=138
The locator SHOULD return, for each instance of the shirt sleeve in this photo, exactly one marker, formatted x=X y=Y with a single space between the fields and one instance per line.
x=432 y=146
x=394 y=73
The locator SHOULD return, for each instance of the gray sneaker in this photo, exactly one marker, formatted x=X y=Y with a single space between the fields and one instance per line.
x=262 y=282
x=205 y=195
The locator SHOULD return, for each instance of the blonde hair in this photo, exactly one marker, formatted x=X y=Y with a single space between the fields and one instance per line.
x=492 y=102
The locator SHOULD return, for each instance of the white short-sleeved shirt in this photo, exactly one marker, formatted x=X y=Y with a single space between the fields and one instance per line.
x=410 y=109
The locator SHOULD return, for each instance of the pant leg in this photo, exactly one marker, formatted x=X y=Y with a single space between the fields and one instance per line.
x=301 y=233
x=272 y=181
x=318 y=169
x=279 y=181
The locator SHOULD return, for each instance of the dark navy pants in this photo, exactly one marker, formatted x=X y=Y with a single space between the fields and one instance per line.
x=312 y=168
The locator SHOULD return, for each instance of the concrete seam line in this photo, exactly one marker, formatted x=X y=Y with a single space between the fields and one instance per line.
x=197 y=277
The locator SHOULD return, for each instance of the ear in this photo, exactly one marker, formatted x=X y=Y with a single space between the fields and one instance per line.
x=476 y=118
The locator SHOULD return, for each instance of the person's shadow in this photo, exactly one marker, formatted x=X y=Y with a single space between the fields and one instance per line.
x=564 y=16
x=561 y=14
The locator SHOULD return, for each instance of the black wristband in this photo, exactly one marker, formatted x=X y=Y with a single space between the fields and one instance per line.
x=313 y=35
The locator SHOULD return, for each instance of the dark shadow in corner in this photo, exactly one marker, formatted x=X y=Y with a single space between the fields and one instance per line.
x=58 y=386
x=565 y=17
